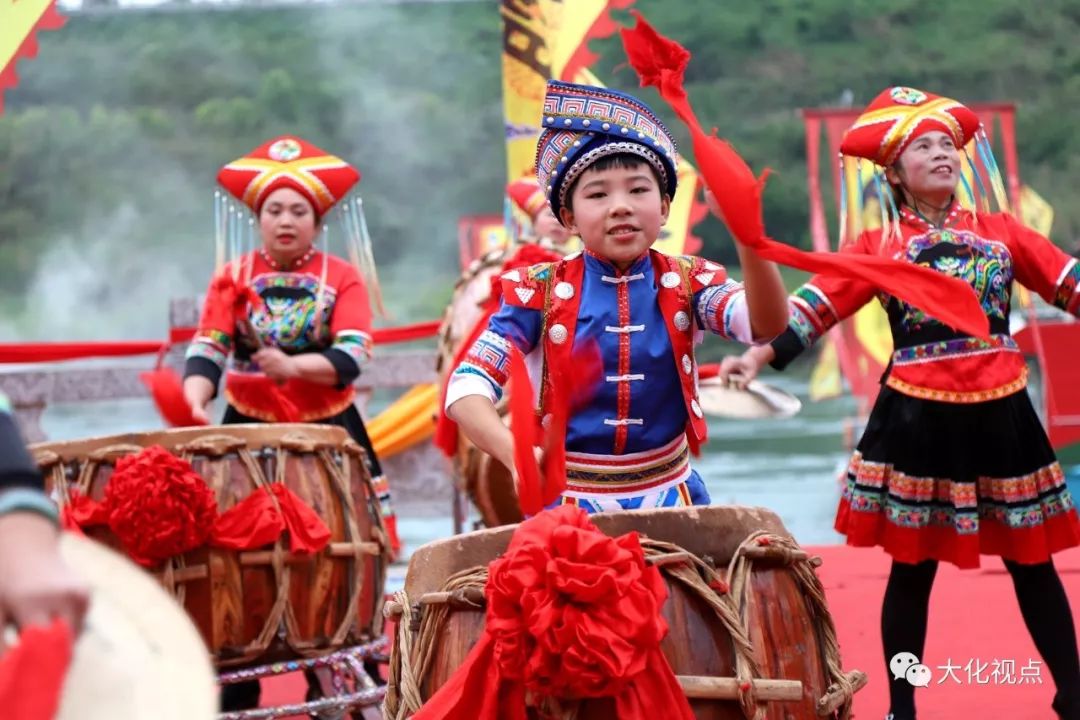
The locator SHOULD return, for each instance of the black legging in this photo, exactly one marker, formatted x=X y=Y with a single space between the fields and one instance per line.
x=1043 y=603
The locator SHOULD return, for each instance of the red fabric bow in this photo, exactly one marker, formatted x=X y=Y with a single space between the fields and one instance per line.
x=661 y=62
x=257 y=520
x=571 y=614
x=32 y=673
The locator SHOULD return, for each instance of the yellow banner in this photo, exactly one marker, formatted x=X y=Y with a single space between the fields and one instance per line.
x=545 y=39
x=18 y=21
x=540 y=37
x=1037 y=213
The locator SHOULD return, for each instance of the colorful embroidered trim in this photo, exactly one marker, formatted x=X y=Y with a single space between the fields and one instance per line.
x=811 y=314
x=1067 y=296
x=715 y=308
x=213 y=345
x=628 y=475
x=356 y=344
x=952 y=349
x=919 y=502
x=955 y=396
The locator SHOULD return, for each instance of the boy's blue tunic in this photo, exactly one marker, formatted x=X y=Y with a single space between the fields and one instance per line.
x=626 y=448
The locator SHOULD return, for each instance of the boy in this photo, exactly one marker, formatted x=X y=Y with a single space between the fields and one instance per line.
x=608 y=167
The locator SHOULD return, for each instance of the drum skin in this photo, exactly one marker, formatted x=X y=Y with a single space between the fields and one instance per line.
x=264 y=604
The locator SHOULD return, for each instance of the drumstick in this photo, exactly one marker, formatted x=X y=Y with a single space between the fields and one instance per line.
x=700 y=687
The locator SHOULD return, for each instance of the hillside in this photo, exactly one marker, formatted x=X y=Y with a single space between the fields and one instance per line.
x=109 y=145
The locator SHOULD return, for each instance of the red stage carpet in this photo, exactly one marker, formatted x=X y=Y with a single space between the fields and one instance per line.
x=974 y=621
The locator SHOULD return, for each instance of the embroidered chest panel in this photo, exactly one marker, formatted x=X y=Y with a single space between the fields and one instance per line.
x=986 y=265
x=293 y=317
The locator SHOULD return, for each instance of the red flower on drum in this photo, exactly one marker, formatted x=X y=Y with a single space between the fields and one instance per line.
x=158 y=506
x=573 y=612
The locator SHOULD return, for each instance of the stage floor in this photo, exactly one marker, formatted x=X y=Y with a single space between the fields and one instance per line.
x=975 y=629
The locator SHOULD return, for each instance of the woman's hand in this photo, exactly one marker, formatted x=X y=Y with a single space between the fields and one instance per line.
x=739 y=370
x=277 y=366
x=198 y=391
x=36 y=585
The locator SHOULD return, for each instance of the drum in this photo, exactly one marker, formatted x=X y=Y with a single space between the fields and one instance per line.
x=266 y=604
x=487 y=482
x=749 y=630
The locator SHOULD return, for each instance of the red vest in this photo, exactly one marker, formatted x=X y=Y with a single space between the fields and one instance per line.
x=555 y=290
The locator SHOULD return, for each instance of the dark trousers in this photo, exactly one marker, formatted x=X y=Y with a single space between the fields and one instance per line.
x=1043 y=604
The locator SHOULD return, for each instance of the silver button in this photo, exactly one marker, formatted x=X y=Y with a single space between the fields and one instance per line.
x=695 y=407
x=557 y=333
x=682 y=321
x=687 y=366
x=670 y=279
x=564 y=291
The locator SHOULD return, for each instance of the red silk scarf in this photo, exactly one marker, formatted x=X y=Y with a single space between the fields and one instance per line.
x=661 y=62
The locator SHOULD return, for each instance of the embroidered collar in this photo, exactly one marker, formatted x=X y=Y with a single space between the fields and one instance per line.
x=920 y=221
x=600 y=265
x=294 y=265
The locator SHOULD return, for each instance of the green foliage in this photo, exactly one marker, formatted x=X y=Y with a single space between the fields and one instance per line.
x=139 y=110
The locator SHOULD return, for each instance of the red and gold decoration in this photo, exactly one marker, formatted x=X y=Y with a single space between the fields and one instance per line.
x=527 y=195
x=290 y=162
x=897 y=116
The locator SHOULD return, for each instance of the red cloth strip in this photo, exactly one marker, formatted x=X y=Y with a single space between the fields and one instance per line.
x=32 y=673
x=405 y=333
x=661 y=62
x=38 y=352
x=54 y=351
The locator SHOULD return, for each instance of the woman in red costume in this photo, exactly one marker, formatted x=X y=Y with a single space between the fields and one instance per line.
x=288 y=325
x=954 y=461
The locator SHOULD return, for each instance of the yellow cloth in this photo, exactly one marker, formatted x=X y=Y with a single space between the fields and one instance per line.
x=409 y=421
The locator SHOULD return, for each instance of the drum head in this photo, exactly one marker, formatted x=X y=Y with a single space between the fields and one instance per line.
x=139 y=655
x=758 y=400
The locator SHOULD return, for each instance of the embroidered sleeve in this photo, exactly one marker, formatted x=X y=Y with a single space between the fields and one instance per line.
x=350 y=325
x=213 y=341
x=350 y=318
x=817 y=306
x=719 y=303
x=1044 y=267
x=721 y=309
x=484 y=371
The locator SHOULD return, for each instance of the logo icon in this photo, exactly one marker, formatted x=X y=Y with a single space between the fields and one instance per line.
x=285 y=150
x=907 y=96
x=906 y=666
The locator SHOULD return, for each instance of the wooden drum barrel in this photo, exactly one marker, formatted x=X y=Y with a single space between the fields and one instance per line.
x=749 y=633
x=487 y=483
x=265 y=604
